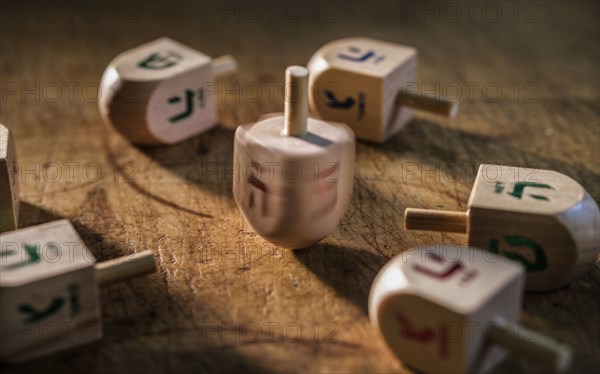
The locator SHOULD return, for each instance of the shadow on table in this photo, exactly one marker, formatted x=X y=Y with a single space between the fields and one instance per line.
x=438 y=146
x=350 y=271
x=206 y=159
x=31 y=215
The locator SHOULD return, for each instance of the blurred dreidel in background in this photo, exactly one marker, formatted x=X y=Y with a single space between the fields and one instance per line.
x=293 y=174
x=541 y=218
x=371 y=86
x=157 y=93
x=455 y=310
x=49 y=296
x=9 y=182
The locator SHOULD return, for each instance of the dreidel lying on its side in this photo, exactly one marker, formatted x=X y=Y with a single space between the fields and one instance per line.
x=371 y=86
x=444 y=309
x=541 y=218
x=9 y=182
x=293 y=174
x=157 y=93
x=49 y=288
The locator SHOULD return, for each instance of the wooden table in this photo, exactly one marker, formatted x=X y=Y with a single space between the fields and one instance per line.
x=224 y=300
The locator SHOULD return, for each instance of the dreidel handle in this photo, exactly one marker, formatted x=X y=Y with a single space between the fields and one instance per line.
x=296 y=101
x=427 y=102
x=223 y=65
x=435 y=220
x=125 y=267
x=537 y=347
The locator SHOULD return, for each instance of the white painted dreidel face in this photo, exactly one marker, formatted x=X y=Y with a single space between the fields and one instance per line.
x=356 y=81
x=433 y=306
x=9 y=182
x=159 y=93
x=540 y=218
x=48 y=293
x=293 y=189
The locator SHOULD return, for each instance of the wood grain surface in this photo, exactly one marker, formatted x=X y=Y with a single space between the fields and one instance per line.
x=224 y=300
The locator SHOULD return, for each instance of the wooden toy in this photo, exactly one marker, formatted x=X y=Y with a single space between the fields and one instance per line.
x=369 y=85
x=293 y=174
x=9 y=186
x=157 y=93
x=49 y=289
x=455 y=310
x=541 y=218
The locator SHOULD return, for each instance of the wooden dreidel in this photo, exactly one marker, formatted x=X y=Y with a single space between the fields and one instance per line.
x=369 y=85
x=9 y=186
x=293 y=174
x=161 y=92
x=49 y=284
x=541 y=218
x=455 y=310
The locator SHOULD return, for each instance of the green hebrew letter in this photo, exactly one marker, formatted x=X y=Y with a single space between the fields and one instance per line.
x=520 y=186
x=157 y=62
x=33 y=315
x=540 y=263
x=33 y=255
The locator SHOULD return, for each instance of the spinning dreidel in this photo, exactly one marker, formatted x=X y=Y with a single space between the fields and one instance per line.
x=157 y=93
x=369 y=85
x=454 y=310
x=49 y=289
x=9 y=186
x=541 y=218
x=293 y=174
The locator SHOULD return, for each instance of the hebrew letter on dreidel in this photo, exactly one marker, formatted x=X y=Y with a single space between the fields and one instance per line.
x=423 y=335
x=157 y=62
x=520 y=187
x=445 y=273
x=538 y=264
x=33 y=256
x=361 y=58
x=333 y=102
x=33 y=315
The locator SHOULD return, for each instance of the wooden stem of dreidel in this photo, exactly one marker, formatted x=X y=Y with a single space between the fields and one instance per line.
x=223 y=65
x=296 y=101
x=428 y=103
x=523 y=341
x=435 y=220
x=125 y=267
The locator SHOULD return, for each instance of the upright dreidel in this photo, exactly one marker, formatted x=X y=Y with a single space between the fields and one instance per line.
x=371 y=86
x=541 y=218
x=49 y=297
x=9 y=183
x=455 y=310
x=157 y=93
x=293 y=174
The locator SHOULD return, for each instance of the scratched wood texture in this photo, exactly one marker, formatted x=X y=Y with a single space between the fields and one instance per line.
x=223 y=299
